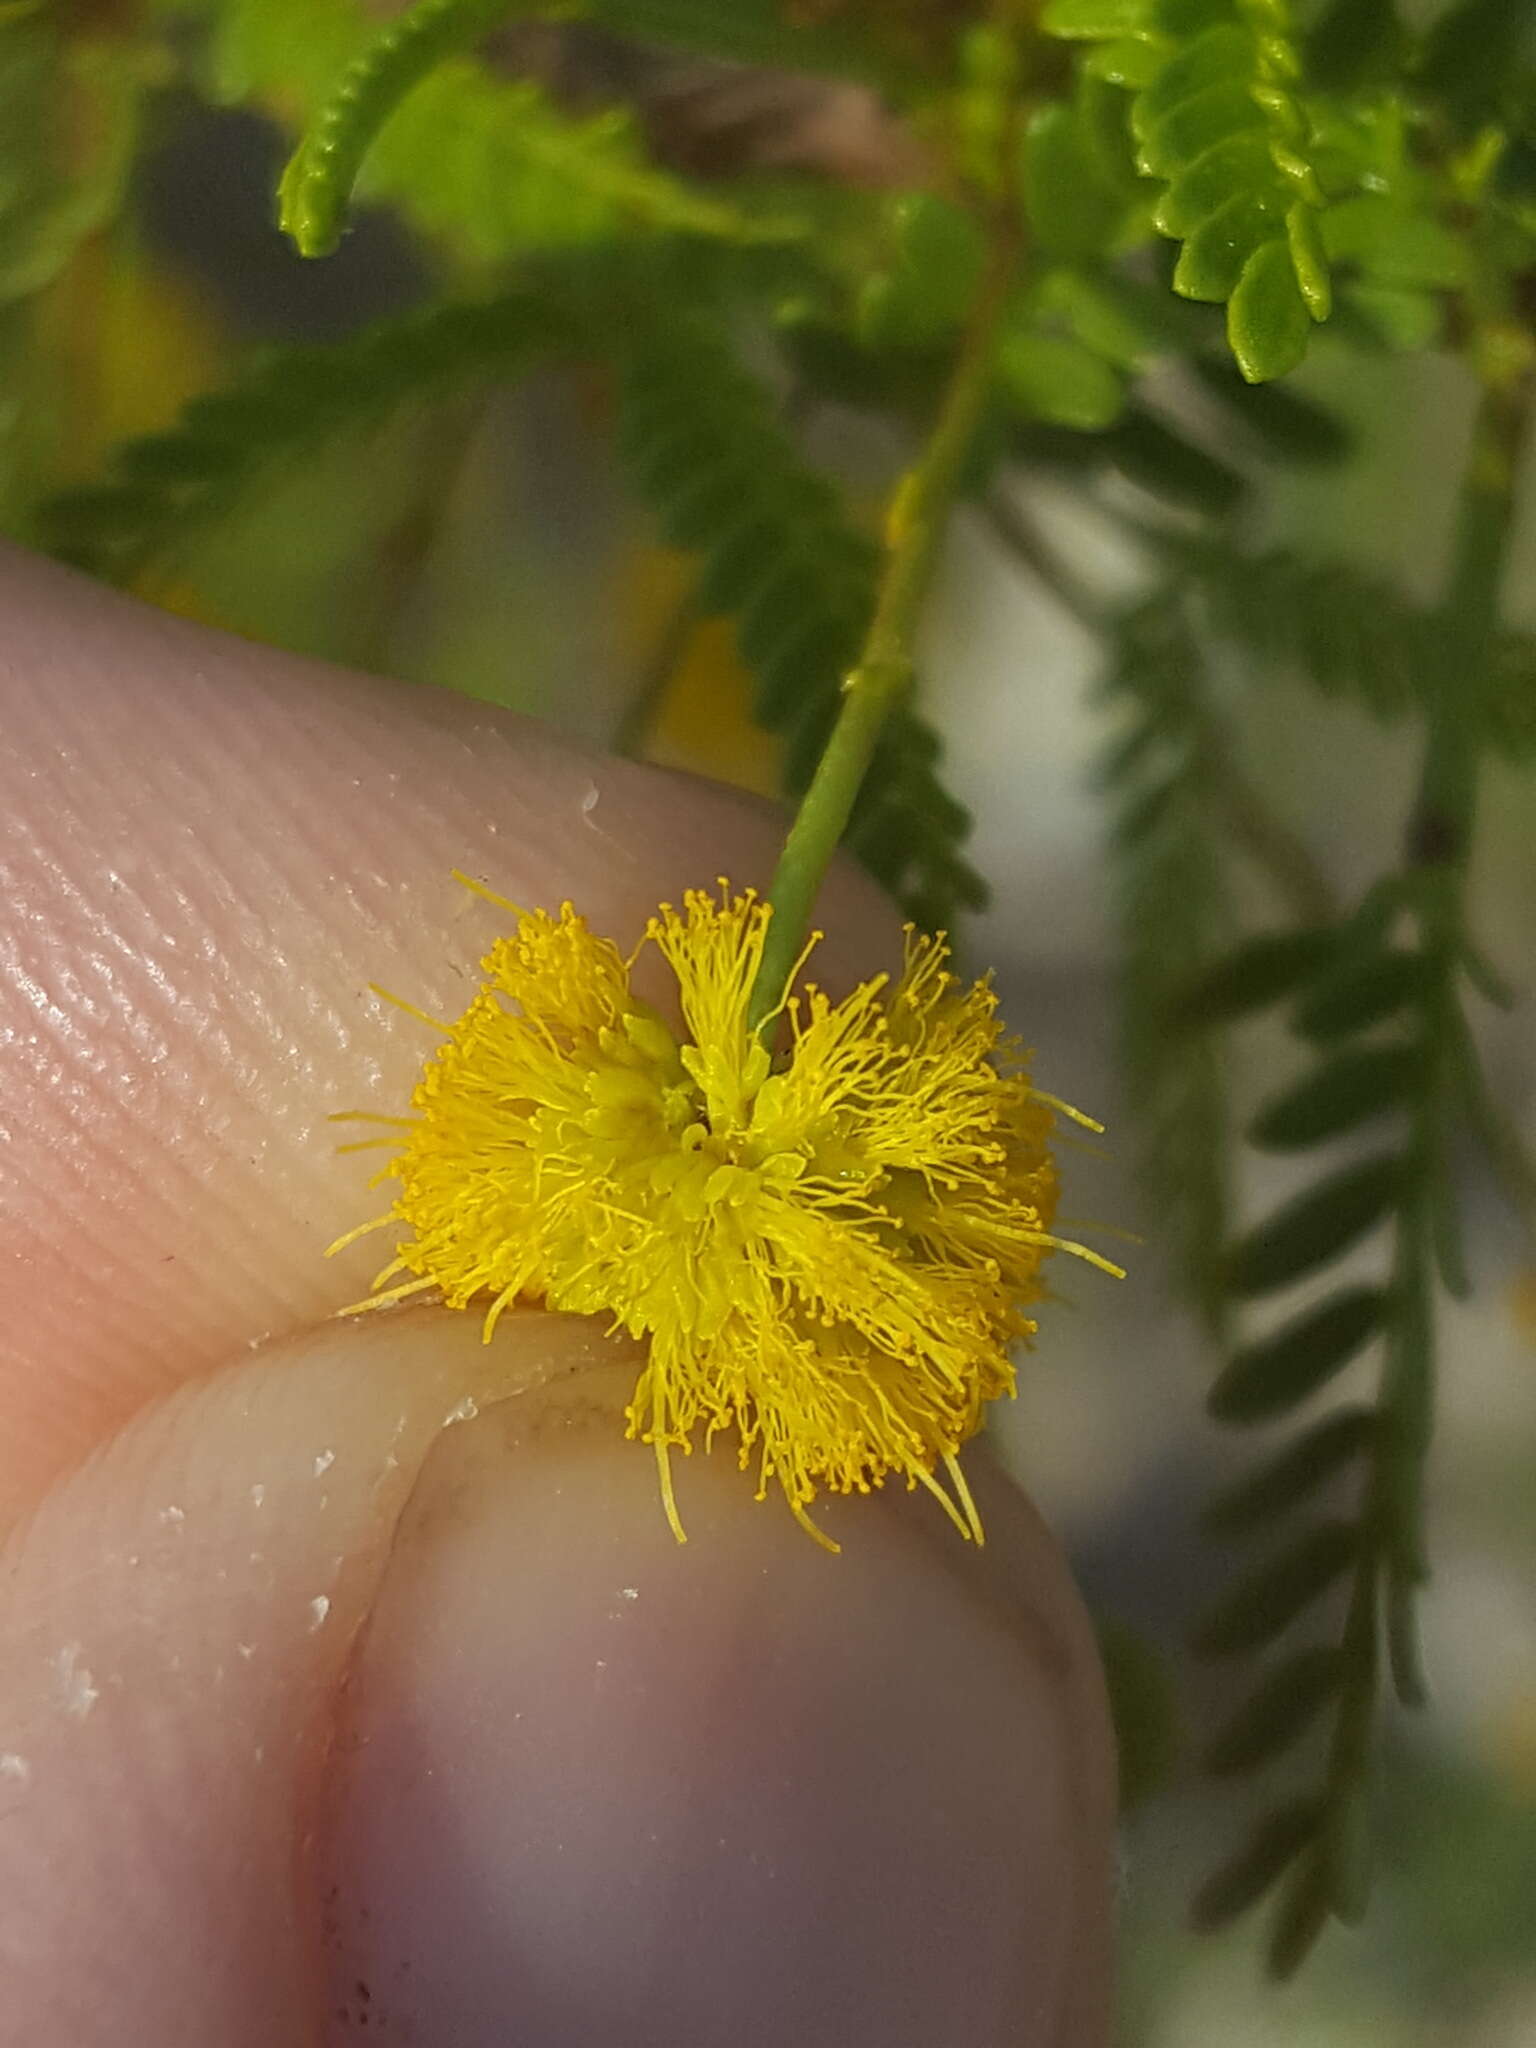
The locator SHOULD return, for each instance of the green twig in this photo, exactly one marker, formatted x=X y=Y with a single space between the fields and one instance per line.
x=882 y=675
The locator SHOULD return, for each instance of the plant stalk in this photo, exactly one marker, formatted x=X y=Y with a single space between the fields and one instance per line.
x=882 y=676
x=1439 y=847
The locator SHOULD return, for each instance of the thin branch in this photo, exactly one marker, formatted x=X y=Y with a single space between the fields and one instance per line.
x=916 y=521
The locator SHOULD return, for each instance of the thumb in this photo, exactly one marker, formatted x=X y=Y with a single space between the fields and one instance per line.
x=316 y=1716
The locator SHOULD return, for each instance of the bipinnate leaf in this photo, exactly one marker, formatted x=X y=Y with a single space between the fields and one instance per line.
x=1268 y=1599
x=1314 y=1227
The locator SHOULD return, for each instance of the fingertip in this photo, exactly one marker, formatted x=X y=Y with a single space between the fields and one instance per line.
x=592 y=1785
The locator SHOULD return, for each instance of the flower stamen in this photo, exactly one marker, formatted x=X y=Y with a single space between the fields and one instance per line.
x=829 y=1250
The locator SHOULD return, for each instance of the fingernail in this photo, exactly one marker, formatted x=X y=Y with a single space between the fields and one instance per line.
x=590 y=1786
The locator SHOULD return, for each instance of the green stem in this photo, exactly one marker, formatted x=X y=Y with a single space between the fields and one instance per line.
x=1440 y=834
x=882 y=675
x=1438 y=852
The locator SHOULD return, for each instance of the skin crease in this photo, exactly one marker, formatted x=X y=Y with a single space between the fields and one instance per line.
x=309 y=1677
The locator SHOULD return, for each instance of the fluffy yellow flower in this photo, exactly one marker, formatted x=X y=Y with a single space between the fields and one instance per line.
x=829 y=1253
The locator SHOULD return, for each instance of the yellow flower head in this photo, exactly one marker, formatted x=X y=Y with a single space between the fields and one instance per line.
x=829 y=1253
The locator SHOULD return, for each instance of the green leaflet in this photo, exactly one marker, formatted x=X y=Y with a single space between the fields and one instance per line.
x=1359 y=993
x=1147 y=451
x=1056 y=379
x=1350 y=1089
x=1077 y=329
x=1289 y=1698
x=1393 y=317
x=1267 y=1600
x=1281 y=1370
x=1239 y=163
x=1258 y=973
x=1217 y=120
x=1095 y=20
x=1286 y=425
x=1264 y=1858
x=1348 y=1850
x=1268 y=318
x=1315 y=1227
x=1293 y=1474
x=1394 y=245
x=1075 y=210
x=921 y=298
